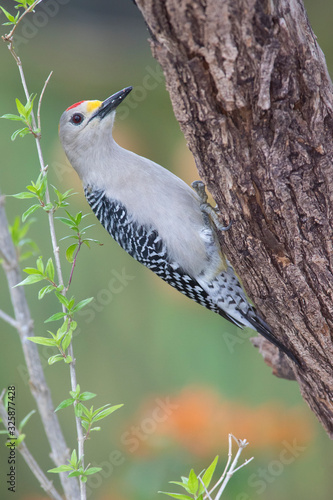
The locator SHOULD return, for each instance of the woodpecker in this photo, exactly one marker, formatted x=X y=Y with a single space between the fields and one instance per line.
x=155 y=216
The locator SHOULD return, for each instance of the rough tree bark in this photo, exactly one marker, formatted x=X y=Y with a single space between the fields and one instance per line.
x=251 y=91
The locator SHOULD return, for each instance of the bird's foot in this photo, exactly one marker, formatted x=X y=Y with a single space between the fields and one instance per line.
x=212 y=212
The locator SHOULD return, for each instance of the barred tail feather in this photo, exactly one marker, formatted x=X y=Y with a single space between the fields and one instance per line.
x=264 y=329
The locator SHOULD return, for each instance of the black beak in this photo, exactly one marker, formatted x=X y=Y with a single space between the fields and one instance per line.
x=111 y=103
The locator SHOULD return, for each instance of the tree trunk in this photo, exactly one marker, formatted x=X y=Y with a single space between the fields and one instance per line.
x=251 y=91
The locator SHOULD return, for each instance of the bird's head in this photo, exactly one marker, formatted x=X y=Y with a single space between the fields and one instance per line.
x=88 y=123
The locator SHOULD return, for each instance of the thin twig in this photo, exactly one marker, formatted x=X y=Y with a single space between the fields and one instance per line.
x=9 y=37
x=11 y=321
x=246 y=461
x=44 y=482
x=241 y=445
x=207 y=495
x=40 y=101
x=73 y=264
x=227 y=465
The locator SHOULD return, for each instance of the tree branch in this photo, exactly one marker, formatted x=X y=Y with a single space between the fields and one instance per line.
x=37 y=382
x=45 y=483
x=251 y=91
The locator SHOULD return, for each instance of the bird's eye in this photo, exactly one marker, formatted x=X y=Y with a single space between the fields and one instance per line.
x=77 y=118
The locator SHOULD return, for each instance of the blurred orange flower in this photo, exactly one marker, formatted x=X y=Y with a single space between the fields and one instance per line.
x=199 y=421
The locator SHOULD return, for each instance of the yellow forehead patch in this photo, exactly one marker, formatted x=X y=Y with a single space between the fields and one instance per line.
x=92 y=105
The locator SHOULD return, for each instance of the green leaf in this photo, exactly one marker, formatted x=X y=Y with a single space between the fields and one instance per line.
x=68 y=222
x=62 y=299
x=75 y=393
x=49 y=270
x=78 y=410
x=73 y=459
x=48 y=207
x=65 y=404
x=43 y=291
x=183 y=485
x=43 y=341
x=82 y=304
x=73 y=325
x=30 y=103
x=29 y=280
x=19 y=440
x=24 y=421
x=24 y=195
x=105 y=413
x=180 y=496
x=75 y=473
x=62 y=330
x=30 y=211
x=55 y=359
x=67 y=340
x=21 y=132
x=40 y=265
x=86 y=395
x=92 y=470
x=9 y=16
x=32 y=270
x=55 y=317
x=62 y=468
x=20 y=108
x=94 y=429
x=193 y=482
x=68 y=359
x=78 y=218
x=70 y=252
x=207 y=476
x=9 y=116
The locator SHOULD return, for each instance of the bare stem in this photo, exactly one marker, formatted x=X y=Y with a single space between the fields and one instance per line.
x=74 y=263
x=11 y=321
x=226 y=467
x=241 y=445
x=44 y=482
x=229 y=469
x=40 y=101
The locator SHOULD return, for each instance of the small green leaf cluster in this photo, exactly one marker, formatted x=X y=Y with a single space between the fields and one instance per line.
x=37 y=190
x=88 y=418
x=75 y=468
x=10 y=432
x=12 y=21
x=73 y=222
x=195 y=486
x=40 y=273
x=24 y=116
x=24 y=3
x=62 y=339
x=18 y=233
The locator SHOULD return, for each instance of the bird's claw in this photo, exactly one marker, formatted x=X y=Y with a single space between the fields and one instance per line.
x=200 y=188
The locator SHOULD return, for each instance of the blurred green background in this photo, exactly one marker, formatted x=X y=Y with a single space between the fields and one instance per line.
x=186 y=377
